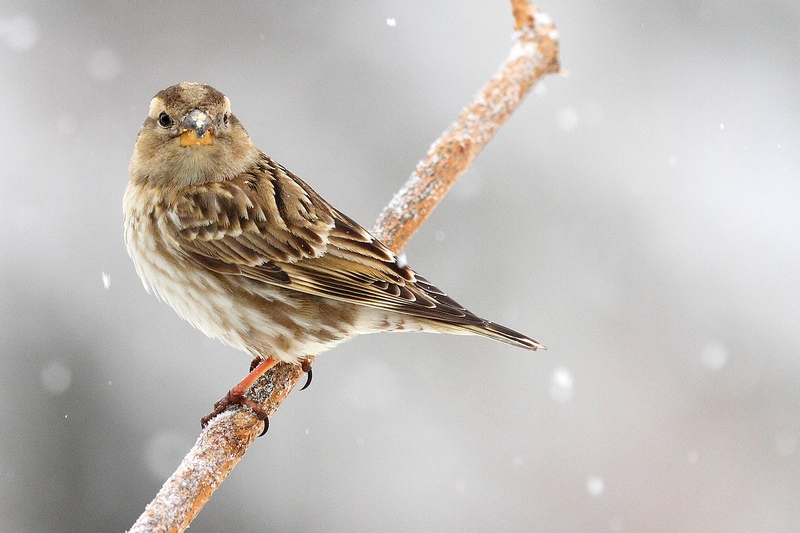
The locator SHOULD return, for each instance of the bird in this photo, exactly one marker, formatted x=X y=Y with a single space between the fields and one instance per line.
x=249 y=254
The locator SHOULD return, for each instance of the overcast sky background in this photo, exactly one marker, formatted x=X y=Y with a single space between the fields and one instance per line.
x=640 y=217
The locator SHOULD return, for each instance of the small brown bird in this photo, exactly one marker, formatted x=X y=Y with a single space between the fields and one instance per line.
x=248 y=253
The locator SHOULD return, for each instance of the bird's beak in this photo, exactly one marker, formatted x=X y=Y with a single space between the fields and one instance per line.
x=197 y=129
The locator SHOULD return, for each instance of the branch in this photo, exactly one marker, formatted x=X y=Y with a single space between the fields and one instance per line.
x=226 y=438
x=534 y=54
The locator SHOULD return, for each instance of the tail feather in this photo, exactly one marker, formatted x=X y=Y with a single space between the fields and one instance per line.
x=507 y=335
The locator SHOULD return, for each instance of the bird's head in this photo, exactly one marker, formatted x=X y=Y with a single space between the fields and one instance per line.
x=191 y=137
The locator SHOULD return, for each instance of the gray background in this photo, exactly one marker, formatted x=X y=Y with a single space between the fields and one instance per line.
x=640 y=217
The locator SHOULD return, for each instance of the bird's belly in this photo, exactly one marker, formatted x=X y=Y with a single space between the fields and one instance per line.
x=259 y=318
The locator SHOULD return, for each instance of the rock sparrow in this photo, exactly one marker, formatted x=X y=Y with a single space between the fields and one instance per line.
x=249 y=254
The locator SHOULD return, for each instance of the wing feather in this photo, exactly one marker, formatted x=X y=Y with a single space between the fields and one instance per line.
x=269 y=226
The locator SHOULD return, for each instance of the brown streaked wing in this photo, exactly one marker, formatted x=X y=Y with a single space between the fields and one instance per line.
x=268 y=225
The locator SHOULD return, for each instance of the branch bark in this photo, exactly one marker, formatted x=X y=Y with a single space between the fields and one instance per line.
x=226 y=438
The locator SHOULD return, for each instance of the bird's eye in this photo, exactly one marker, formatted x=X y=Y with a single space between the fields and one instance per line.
x=164 y=120
x=226 y=118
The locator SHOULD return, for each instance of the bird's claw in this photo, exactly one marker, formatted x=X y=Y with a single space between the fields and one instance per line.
x=305 y=364
x=234 y=398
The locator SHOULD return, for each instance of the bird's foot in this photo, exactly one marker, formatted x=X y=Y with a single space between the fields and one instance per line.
x=236 y=398
x=305 y=364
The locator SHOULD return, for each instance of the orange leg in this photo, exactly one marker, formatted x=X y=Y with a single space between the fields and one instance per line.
x=236 y=394
x=260 y=369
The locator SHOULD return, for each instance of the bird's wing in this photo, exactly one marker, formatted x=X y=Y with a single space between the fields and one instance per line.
x=269 y=226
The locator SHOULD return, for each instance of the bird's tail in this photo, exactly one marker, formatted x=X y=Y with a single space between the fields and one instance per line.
x=506 y=335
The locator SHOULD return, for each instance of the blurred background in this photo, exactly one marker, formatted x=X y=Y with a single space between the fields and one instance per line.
x=640 y=217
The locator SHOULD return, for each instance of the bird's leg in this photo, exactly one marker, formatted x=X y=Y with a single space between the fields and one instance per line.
x=305 y=364
x=236 y=396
